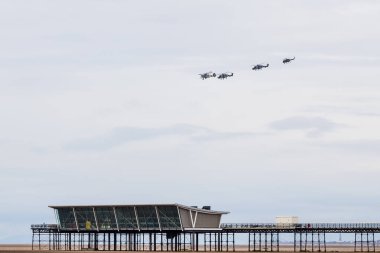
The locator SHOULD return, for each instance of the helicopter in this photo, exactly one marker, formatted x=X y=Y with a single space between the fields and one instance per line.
x=225 y=75
x=287 y=60
x=260 y=66
x=207 y=75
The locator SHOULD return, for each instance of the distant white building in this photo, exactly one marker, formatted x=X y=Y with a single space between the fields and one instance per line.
x=287 y=220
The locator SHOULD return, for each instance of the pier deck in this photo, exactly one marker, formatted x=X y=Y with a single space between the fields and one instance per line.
x=249 y=237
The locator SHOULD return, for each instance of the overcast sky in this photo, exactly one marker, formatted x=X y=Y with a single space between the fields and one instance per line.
x=101 y=103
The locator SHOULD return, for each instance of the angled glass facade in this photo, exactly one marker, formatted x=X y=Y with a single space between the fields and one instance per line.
x=85 y=218
x=169 y=217
x=135 y=217
x=147 y=218
x=66 y=218
x=126 y=218
x=106 y=218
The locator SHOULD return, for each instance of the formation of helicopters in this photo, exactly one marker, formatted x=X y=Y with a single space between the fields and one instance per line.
x=229 y=74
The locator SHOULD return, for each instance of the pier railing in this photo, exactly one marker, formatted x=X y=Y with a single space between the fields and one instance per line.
x=308 y=237
x=44 y=226
x=300 y=225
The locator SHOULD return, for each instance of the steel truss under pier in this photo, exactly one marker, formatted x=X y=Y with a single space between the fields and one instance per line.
x=257 y=237
x=133 y=241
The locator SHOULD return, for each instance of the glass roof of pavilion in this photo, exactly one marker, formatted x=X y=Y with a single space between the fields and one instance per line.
x=123 y=217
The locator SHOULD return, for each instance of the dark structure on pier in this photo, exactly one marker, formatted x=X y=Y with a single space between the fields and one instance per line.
x=174 y=227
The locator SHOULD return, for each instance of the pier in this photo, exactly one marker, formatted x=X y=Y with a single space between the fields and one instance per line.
x=181 y=228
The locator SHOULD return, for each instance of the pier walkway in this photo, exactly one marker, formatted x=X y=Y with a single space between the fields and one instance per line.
x=229 y=237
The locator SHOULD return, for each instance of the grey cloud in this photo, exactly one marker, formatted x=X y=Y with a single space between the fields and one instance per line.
x=368 y=112
x=365 y=146
x=330 y=58
x=314 y=126
x=121 y=135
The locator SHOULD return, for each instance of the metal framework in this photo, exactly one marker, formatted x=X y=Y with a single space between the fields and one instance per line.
x=261 y=237
x=174 y=227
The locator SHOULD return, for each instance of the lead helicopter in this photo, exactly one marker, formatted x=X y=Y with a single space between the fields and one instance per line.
x=287 y=60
